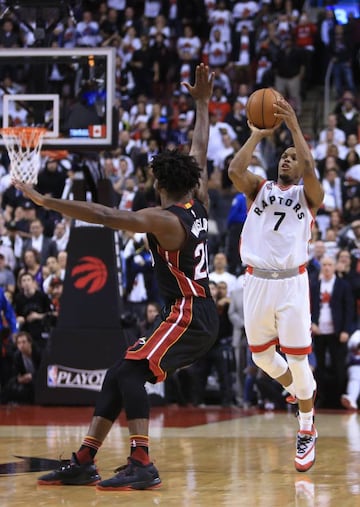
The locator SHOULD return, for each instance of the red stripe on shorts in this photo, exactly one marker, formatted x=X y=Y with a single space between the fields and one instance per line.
x=164 y=337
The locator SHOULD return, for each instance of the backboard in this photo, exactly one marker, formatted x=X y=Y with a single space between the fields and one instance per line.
x=71 y=92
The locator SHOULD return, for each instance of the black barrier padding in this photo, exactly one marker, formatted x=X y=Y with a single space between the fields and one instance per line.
x=91 y=297
x=88 y=337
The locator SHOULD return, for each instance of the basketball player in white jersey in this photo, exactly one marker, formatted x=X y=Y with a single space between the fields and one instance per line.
x=274 y=246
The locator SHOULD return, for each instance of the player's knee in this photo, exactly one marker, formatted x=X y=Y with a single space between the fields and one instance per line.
x=109 y=403
x=131 y=373
x=271 y=362
x=303 y=378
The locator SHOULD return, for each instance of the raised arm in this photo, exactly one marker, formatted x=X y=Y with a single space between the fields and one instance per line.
x=312 y=186
x=201 y=92
x=244 y=180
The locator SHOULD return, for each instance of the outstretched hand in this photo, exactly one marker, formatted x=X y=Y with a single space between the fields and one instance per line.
x=203 y=86
x=29 y=191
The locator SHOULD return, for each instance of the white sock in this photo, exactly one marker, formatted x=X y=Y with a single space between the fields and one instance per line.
x=306 y=420
x=290 y=389
x=353 y=390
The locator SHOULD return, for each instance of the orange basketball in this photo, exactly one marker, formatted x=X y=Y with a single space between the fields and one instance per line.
x=260 y=110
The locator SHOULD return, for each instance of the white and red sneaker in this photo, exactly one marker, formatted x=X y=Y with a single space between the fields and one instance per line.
x=305 y=449
x=348 y=403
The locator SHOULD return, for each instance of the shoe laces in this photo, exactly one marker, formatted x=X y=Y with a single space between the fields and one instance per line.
x=125 y=469
x=302 y=443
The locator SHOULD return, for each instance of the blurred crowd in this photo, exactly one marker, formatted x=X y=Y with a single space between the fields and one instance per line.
x=287 y=44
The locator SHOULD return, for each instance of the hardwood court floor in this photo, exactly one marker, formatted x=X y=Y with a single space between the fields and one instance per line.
x=206 y=457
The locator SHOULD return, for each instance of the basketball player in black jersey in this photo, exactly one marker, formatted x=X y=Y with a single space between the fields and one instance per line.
x=188 y=324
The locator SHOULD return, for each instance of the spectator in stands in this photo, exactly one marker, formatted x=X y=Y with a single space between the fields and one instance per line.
x=9 y=34
x=222 y=80
x=264 y=73
x=216 y=53
x=217 y=130
x=110 y=25
x=129 y=44
x=327 y=24
x=238 y=122
x=353 y=143
x=314 y=263
x=289 y=72
x=352 y=161
x=62 y=260
x=220 y=358
x=51 y=179
x=220 y=18
x=188 y=47
x=347 y=114
x=343 y=263
x=339 y=136
x=87 y=31
x=220 y=272
x=180 y=135
x=242 y=56
x=7 y=314
x=7 y=278
x=31 y=264
x=331 y=159
x=10 y=37
x=61 y=235
x=23 y=215
x=165 y=65
x=11 y=199
x=53 y=271
x=341 y=55
x=68 y=36
x=142 y=68
x=7 y=252
x=140 y=285
x=336 y=221
x=21 y=386
x=32 y=307
x=236 y=316
x=55 y=291
x=305 y=33
x=38 y=241
x=333 y=321
x=219 y=104
x=332 y=185
x=351 y=211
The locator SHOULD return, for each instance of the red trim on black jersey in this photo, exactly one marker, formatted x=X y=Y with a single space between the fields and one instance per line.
x=185 y=205
x=164 y=337
x=187 y=286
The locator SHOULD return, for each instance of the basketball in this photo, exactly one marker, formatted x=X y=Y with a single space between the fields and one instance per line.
x=260 y=110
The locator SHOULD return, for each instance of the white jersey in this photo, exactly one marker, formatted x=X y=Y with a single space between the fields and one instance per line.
x=277 y=229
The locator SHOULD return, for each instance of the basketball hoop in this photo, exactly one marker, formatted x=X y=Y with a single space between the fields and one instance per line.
x=23 y=145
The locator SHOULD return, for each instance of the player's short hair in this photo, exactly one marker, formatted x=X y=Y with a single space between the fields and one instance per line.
x=176 y=172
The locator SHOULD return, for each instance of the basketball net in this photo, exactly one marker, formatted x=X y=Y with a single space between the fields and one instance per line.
x=23 y=145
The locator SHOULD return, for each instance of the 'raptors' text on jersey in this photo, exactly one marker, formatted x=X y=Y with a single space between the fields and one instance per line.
x=184 y=273
x=277 y=229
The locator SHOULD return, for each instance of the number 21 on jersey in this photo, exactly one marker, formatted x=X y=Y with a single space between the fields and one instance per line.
x=202 y=262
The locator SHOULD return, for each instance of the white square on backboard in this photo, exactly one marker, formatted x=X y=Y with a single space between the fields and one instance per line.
x=18 y=97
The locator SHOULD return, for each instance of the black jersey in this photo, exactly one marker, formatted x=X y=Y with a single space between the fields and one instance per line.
x=184 y=272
